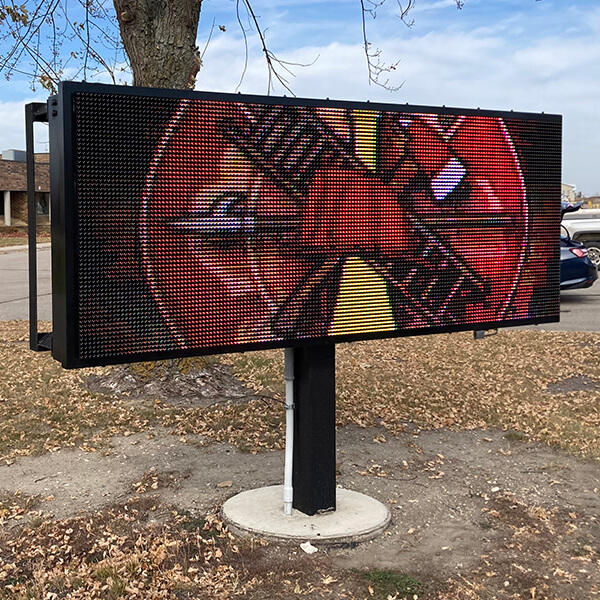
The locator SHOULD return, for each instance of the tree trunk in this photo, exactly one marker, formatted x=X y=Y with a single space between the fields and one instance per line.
x=160 y=39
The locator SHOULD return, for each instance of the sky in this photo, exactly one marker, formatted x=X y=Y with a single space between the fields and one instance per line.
x=523 y=55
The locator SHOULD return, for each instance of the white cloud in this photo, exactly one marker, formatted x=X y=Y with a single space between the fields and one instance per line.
x=481 y=67
x=12 y=131
x=430 y=6
x=526 y=61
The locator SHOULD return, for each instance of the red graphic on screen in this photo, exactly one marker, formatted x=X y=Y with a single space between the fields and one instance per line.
x=267 y=222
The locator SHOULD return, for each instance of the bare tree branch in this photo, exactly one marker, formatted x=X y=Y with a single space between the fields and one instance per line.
x=275 y=65
x=46 y=39
x=404 y=10
x=377 y=69
x=78 y=39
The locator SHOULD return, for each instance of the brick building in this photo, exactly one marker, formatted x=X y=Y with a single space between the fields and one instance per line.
x=13 y=186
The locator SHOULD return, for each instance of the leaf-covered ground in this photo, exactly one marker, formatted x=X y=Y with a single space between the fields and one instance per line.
x=544 y=386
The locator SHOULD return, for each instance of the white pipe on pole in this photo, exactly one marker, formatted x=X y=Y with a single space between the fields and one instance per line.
x=288 y=375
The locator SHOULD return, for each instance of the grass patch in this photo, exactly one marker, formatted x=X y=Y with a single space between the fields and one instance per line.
x=441 y=381
x=515 y=436
x=17 y=235
x=43 y=407
x=384 y=584
x=130 y=553
x=158 y=369
x=457 y=382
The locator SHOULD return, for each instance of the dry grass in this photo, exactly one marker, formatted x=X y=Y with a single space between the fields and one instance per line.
x=505 y=381
x=17 y=236
x=543 y=385
x=508 y=381
x=44 y=408
x=146 y=549
x=136 y=550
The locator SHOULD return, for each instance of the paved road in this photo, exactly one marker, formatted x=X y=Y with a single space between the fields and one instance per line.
x=580 y=309
x=14 y=284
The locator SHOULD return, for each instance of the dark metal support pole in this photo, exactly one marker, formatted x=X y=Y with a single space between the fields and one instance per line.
x=314 y=429
x=36 y=111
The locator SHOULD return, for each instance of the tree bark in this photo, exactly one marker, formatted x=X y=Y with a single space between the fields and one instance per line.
x=159 y=37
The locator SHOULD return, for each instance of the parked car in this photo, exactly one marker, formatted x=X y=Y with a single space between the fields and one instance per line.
x=576 y=269
x=583 y=226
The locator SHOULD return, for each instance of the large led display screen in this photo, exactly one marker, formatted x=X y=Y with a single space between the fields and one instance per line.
x=191 y=223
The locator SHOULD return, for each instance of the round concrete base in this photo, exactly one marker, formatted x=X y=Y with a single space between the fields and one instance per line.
x=260 y=513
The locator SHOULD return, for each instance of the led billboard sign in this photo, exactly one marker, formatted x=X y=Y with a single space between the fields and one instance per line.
x=191 y=223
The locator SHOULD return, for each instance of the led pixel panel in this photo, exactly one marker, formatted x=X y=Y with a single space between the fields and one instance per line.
x=191 y=223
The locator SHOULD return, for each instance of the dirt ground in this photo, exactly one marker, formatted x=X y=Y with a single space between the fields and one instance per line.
x=485 y=512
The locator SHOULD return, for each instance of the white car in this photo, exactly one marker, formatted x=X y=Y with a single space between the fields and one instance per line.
x=584 y=226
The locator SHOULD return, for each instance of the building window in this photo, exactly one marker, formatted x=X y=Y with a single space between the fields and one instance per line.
x=43 y=204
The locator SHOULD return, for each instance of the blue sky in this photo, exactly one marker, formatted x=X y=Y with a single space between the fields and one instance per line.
x=524 y=55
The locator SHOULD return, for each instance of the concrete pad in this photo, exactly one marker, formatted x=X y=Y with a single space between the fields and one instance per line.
x=259 y=513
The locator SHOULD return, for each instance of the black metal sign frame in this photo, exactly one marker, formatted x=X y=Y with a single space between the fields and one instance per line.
x=68 y=243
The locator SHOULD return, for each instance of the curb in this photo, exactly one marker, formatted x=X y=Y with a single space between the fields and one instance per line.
x=23 y=248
